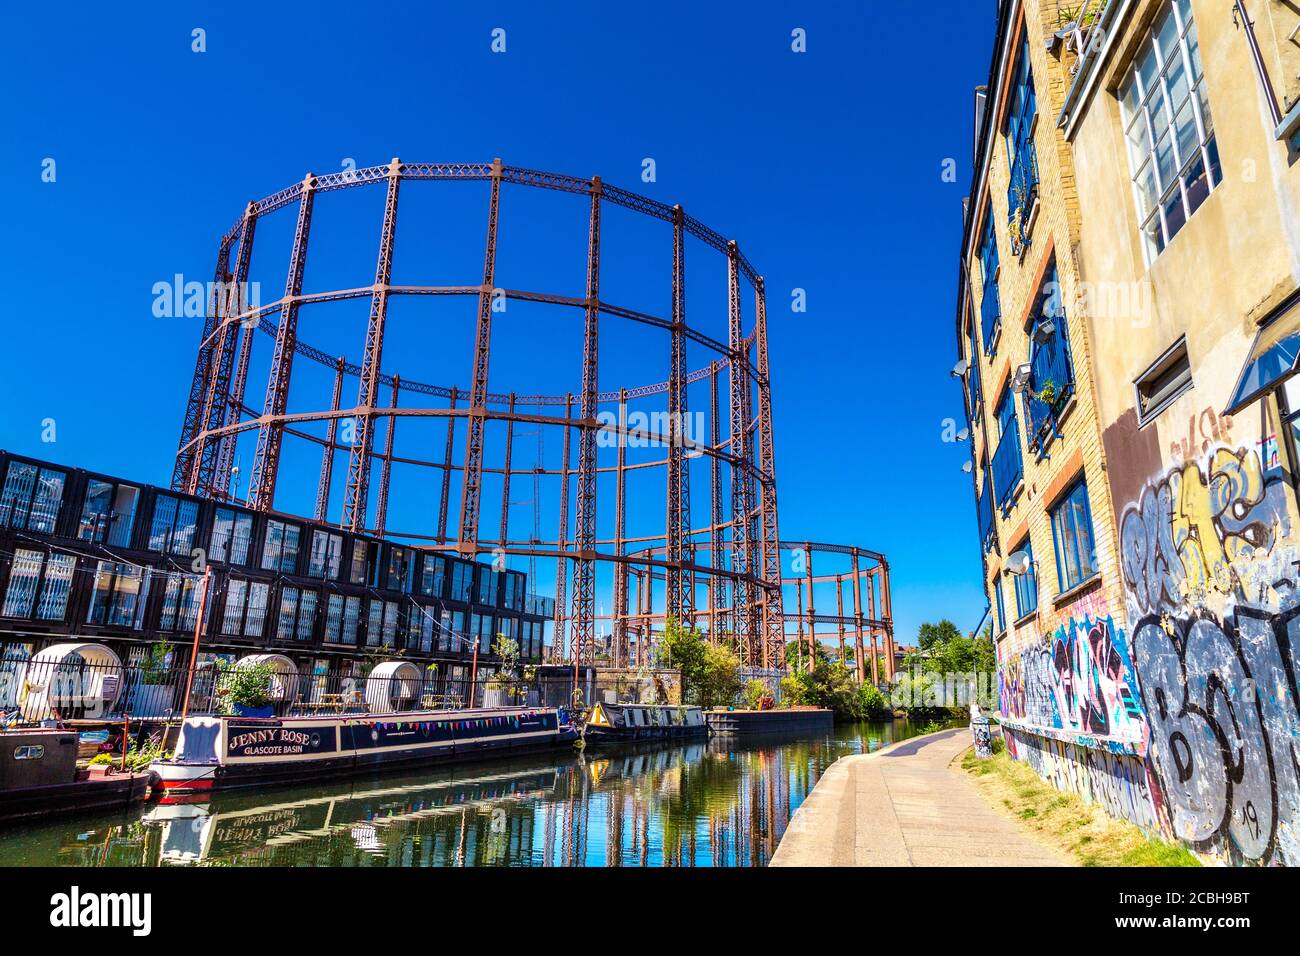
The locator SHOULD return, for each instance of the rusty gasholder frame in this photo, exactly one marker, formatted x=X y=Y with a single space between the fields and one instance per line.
x=743 y=547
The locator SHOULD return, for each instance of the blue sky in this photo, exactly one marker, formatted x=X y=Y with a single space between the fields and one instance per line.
x=826 y=167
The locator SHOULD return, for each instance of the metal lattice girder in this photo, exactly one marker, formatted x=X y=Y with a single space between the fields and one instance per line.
x=681 y=597
x=327 y=456
x=445 y=496
x=472 y=481
x=741 y=503
x=386 y=471
x=505 y=476
x=773 y=610
x=584 y=565
x=266 y=460
x=620 y=534
x=718 y=593
x=203 y=366
x=563 y=537
x=205 y=475
x=356 y=494
x=857 y=624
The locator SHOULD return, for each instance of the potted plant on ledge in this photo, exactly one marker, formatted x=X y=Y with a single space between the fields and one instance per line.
x=246 y=691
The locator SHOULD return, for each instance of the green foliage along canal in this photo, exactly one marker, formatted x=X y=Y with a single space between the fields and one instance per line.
x=715 y=803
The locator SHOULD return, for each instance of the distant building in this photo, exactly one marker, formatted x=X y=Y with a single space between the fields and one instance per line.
x=1128 y=328
x=86 y=557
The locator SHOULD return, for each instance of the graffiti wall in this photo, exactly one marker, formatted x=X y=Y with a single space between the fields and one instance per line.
x=1201 y=677
x=1209 y=572
x=1078 y=680
x=1119 y=782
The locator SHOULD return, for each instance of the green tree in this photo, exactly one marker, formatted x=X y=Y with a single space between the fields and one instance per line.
x=710 y=672
x=835 y=686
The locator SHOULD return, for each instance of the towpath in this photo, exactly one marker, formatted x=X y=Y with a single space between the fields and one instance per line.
x=906 y=805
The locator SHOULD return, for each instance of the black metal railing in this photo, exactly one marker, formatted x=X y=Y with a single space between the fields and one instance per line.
x=34 y=692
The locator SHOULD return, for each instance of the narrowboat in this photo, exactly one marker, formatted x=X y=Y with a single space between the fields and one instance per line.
x=610 y=722
x=220 y=752
x=39 y=778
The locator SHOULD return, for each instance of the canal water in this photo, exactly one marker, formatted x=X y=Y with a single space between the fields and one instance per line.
x=706 y=803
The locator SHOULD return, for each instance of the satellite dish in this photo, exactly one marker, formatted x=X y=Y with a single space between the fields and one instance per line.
x=1018 y=563
x=959 y=370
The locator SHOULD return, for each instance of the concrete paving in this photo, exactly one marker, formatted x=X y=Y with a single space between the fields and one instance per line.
x=904 y=805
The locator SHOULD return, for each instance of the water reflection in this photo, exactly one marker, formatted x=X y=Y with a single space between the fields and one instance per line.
x=715 y=803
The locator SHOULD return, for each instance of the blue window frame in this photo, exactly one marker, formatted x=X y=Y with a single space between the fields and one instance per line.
x=974 y=392
x=1076 y=559
x=1027 y=583
x=1001 y=608
x=990 y=298
x=1008 y=465
x=1049 y=359
x=1021 y=156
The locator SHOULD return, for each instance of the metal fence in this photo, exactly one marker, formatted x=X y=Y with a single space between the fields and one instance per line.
x=31 y=692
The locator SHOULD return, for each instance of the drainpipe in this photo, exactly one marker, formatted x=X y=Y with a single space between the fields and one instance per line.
x=1274 y=110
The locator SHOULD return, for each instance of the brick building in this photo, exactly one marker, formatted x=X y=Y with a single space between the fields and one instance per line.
x=1128 y=322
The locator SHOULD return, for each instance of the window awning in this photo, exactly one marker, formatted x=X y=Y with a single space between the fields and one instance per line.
x=1274 y=357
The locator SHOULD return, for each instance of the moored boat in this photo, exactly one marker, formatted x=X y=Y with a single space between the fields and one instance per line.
x=218 y=753
x=609 y=722
x=39 y=778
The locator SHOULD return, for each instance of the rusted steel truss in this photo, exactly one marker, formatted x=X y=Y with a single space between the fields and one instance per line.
x=735 y=557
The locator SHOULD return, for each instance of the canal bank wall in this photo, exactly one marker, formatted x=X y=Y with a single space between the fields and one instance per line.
x=809 y=721
x=904 y=805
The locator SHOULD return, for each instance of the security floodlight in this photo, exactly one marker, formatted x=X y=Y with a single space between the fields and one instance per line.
x=1044 y=331
x=1018 y=563
x=959 y=370
x=1020 y=378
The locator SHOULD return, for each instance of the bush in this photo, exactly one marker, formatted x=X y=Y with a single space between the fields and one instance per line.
x=710 y=672
x=834 y=686
x=247 y=686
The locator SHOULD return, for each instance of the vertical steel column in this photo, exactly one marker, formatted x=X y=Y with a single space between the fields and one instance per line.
x=235 y=390
x=386 y=470
x=740 y=503
x=356 y=495
x=680 y=598
x=857 y=623
x=266 y=460
x=446 y=471
x=196 y=407
x=774 y=612
x=472 y=468
x=718 y=583
x=584 y=565
x=221 y=408
x=798 y=604
x=327 y=457
x=812 y=622
x=505 y=475
x=871 y=614
x=620 y=533
x=561 y=567
x=887 y=613
x=839 y=611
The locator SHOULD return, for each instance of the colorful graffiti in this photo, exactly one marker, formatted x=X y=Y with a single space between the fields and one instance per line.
x=1118 y=782
x=1079 y=680
x=1221 y=699
x=1182 y=539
